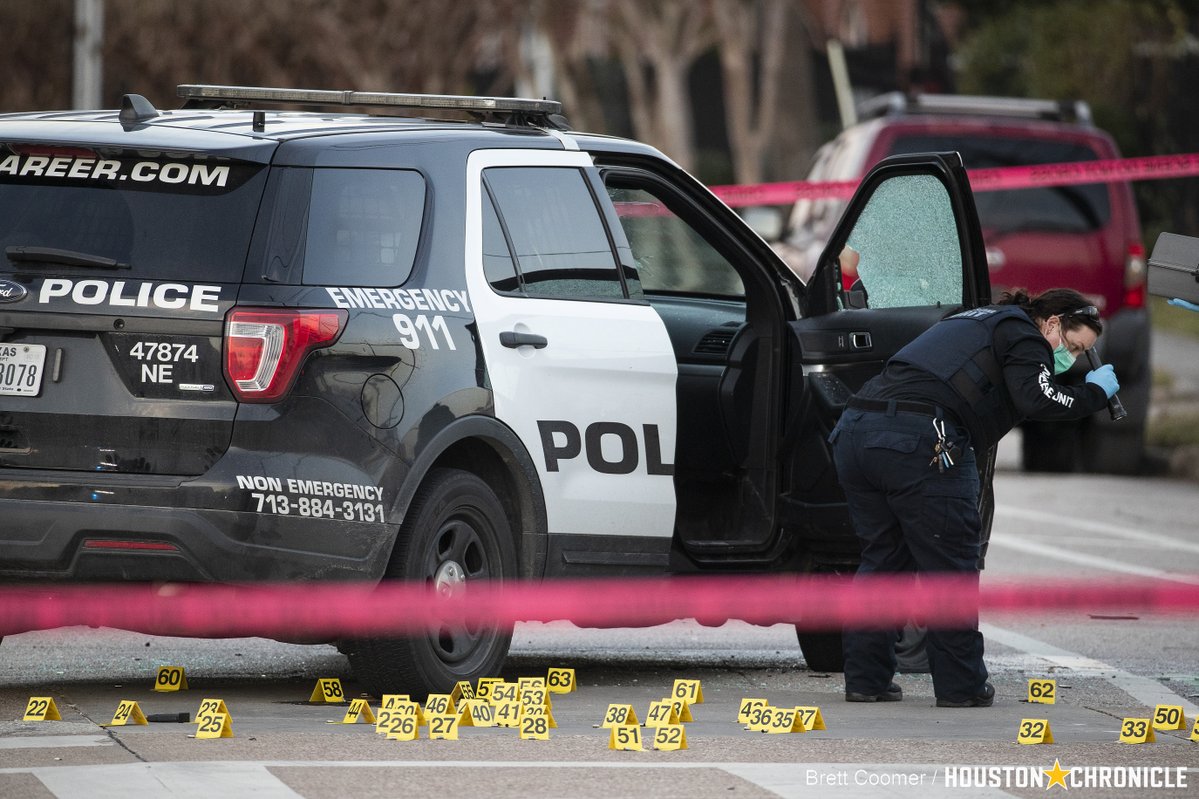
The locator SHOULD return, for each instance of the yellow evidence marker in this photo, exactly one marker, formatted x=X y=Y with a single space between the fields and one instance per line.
x=670 y=738
x=401 y=727
x=41 y=708
x=1034 y=731
x=127 y=711
x=215 y=725
x=476 y=713
x=747 y=705
x=810 y=717
x=170 y=678
x=503 y=692
x=759 y=718
x=620 y=715
x=328 y=689
x=1195 y=731
x=689 y=691
x=507 y=713
x=625 y=737
x=392 y=700
x=1136 y=731
x=439 y=705
x=682 y=710
x=525 y=683
x=1042 y=691
x=538 y=710
x=533 y=691
x=1169 y=717
x=443 y=727
x=483 y=687
x=462 y=690
x=561 y=681
x=785 y=719
x=660 y=713
x=535 y=726
x=210 y=706
x=398 y=709
x=359 y=710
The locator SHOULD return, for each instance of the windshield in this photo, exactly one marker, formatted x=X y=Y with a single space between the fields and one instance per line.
x=1071 y=209
x=72 y=209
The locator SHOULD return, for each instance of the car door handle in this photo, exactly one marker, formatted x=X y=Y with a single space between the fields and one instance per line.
x=860 y=341
x=512 y=339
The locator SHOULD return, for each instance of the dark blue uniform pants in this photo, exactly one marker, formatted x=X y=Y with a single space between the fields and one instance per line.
x=910 y=517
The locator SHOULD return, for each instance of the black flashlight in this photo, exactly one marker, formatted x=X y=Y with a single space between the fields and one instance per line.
x=1114 y=406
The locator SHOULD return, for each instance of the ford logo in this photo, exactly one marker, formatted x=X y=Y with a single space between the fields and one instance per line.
x=12 y=292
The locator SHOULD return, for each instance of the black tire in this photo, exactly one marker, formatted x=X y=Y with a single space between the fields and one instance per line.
x=1114 y=449
x=455 y=532
x=1050 y=447
x=822 y=649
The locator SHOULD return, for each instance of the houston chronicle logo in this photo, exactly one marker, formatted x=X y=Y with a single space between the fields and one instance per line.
x=1128 y=777
x=969 y=778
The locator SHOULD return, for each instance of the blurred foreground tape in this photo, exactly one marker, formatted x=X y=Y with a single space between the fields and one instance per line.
x=339 y=610
x=1153 y=167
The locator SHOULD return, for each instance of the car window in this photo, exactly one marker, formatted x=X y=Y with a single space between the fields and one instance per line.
x=561 y=246
x=908 y=245
x=1075 y=209
x=159 y=219
x=339 y=227
x=670 y=255
x=363 y=226
x=498 y=265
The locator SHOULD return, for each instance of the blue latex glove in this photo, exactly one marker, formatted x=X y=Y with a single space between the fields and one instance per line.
x=1177 y=303
x=1105 y=378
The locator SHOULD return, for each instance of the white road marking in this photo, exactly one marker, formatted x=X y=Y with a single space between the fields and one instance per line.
x=1058 y=521
x=1145 y=690
x=1094 y=561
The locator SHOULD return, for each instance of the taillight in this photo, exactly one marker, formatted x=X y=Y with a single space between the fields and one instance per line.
x=1134 y=276
x=265 y=348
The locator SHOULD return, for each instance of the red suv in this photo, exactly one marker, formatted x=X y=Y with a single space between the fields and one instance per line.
x=1087 y=237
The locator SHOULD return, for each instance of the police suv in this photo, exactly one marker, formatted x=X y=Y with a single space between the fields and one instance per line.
x=241 y=344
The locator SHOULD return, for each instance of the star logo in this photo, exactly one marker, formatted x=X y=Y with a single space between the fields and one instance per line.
x=1057 y=775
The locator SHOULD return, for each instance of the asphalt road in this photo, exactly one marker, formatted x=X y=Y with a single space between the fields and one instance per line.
x=1108 y=666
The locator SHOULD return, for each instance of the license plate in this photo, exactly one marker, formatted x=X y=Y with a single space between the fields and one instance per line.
x=21 y=369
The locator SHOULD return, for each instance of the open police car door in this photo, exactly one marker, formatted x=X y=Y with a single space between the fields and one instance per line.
x=913 y=230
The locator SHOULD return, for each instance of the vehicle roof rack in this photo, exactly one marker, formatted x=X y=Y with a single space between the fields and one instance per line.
x=895 y=103
x=512 y=110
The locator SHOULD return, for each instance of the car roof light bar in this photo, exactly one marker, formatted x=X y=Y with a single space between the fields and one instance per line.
x=206 y=93
x=898 y=102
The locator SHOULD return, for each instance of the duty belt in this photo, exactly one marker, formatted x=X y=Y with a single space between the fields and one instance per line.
x=895 y=406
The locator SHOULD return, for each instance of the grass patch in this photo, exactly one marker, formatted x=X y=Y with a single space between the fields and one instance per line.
x=1173 y=320
x=1173 y=430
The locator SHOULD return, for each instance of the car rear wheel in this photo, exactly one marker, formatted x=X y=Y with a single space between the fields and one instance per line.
x=1048 y=447
x=822 y=649
x=1112 y=449
x=455 y=533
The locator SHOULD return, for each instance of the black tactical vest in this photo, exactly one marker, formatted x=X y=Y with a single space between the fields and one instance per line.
x=959 y=351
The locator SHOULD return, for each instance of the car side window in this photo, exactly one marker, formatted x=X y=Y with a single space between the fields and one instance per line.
x=908 y=247
x=556 y=235
x=670 y=255
x=363 y=226
x=498 y=265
